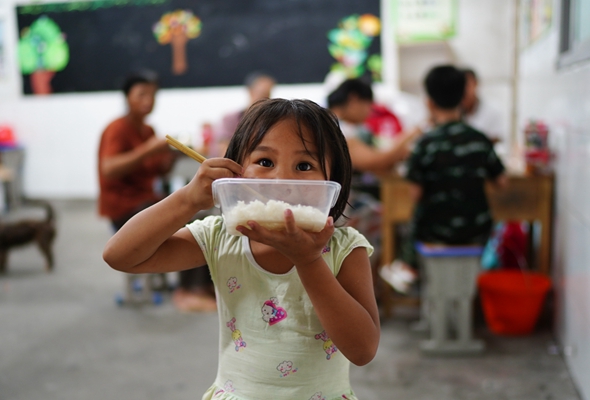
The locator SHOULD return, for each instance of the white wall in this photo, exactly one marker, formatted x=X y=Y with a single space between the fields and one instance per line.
x=562 y=99
x=484 y=42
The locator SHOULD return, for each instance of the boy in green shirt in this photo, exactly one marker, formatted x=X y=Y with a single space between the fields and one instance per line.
x=447 y=170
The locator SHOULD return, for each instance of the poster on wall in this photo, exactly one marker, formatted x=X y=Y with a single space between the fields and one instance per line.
x=85 y=46
x=536 y=18
x=416 y=21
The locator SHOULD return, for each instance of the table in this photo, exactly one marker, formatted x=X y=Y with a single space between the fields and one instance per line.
x=526 y=198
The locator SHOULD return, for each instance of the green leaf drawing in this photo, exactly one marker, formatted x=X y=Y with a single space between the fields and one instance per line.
x=42 y=47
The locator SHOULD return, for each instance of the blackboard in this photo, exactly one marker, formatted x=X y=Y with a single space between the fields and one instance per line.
x=107 y=39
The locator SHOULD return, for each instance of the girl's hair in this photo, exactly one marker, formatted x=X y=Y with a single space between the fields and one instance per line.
x=323 y=125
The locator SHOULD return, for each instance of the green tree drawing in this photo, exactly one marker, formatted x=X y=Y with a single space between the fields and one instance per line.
x=177 y=28
x=42 y=51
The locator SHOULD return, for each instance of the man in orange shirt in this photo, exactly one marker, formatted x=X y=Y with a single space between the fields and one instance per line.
x=131 y=156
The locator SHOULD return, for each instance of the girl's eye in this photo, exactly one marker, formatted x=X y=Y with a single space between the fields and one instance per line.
x=304 y=167
x=265 y=162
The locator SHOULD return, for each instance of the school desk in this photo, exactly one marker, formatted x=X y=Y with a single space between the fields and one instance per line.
x=526 y=198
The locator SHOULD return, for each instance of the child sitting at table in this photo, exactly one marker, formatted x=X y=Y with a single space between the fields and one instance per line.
x=447 y=168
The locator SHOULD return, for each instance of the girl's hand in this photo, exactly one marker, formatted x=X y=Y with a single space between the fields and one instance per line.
x=299 y=246
x=199 y=190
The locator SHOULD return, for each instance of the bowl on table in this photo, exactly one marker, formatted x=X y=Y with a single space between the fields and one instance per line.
x=265 y=201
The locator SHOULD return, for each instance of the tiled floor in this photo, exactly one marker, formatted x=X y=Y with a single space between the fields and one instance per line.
x=62 y=337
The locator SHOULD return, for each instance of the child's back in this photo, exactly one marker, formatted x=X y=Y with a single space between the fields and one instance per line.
x=451 y=164
x=447 y=169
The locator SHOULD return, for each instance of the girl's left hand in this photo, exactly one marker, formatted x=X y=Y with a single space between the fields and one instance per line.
x=299 y=246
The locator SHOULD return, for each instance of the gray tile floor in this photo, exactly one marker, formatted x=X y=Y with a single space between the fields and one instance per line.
x=62 y=337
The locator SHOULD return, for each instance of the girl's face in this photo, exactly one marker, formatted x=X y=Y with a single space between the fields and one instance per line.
x=282 y=155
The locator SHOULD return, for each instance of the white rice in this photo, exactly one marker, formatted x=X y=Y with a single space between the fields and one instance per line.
x=272 y=216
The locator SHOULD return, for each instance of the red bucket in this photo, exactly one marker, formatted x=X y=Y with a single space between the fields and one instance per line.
x=512 y=300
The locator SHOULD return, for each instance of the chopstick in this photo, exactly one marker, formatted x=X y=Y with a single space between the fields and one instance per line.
x=200 y=158
x=186 y=150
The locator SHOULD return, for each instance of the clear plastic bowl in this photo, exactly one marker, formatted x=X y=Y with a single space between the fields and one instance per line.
x=265 y=200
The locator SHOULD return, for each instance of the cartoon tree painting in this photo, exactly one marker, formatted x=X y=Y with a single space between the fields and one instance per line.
x=42 y=51
x=350 y=42
x=176 y=28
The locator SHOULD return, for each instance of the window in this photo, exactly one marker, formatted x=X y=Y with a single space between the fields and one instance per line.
x=575 y=32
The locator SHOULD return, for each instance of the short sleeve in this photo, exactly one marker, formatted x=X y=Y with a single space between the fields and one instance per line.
x=114 y=141
x=207 y=232
x=342 y=243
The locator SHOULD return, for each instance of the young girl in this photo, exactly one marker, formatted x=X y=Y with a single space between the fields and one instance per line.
x=294 y=306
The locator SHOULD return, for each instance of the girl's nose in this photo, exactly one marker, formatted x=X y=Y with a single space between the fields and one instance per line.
x=284 y=173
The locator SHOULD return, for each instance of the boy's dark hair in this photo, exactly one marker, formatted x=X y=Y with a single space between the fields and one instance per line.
x=355 y=86
x=137 y=78
x=445 y=85
x=323 y=125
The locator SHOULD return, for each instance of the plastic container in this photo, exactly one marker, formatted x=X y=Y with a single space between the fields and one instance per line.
x=265 y=200
x=512 y=300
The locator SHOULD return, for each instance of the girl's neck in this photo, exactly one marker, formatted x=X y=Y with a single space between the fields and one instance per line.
x=269 y=258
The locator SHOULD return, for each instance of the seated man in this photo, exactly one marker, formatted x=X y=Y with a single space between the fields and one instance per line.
x=448 y=169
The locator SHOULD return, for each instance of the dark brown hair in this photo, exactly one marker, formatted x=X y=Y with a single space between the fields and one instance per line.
x=323 y=125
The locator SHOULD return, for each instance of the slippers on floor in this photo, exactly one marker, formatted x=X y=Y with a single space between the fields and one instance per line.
x=399 y=275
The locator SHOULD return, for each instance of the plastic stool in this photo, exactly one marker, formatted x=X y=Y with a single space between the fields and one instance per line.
x=451 y=281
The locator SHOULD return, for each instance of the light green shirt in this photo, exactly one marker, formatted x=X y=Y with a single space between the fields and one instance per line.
x=272 y=344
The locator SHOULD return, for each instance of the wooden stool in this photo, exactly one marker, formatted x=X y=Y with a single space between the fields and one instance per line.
x=450 y=277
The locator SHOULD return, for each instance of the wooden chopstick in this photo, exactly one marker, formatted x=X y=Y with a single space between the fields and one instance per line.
x=186 y=150
x=200 y=158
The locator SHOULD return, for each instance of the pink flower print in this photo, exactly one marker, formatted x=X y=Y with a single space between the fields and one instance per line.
x=232 y=284
x=236 y=335
x=229 y=386
x=286 y=368
x=272 y=313
x=317 y=396
x=328 y=345
x=326 y=249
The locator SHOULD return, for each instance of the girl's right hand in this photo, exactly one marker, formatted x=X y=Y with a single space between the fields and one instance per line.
x=199 y=190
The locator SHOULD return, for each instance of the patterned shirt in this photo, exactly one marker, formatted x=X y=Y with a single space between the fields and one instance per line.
x=451 y=164
x=272 y=345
